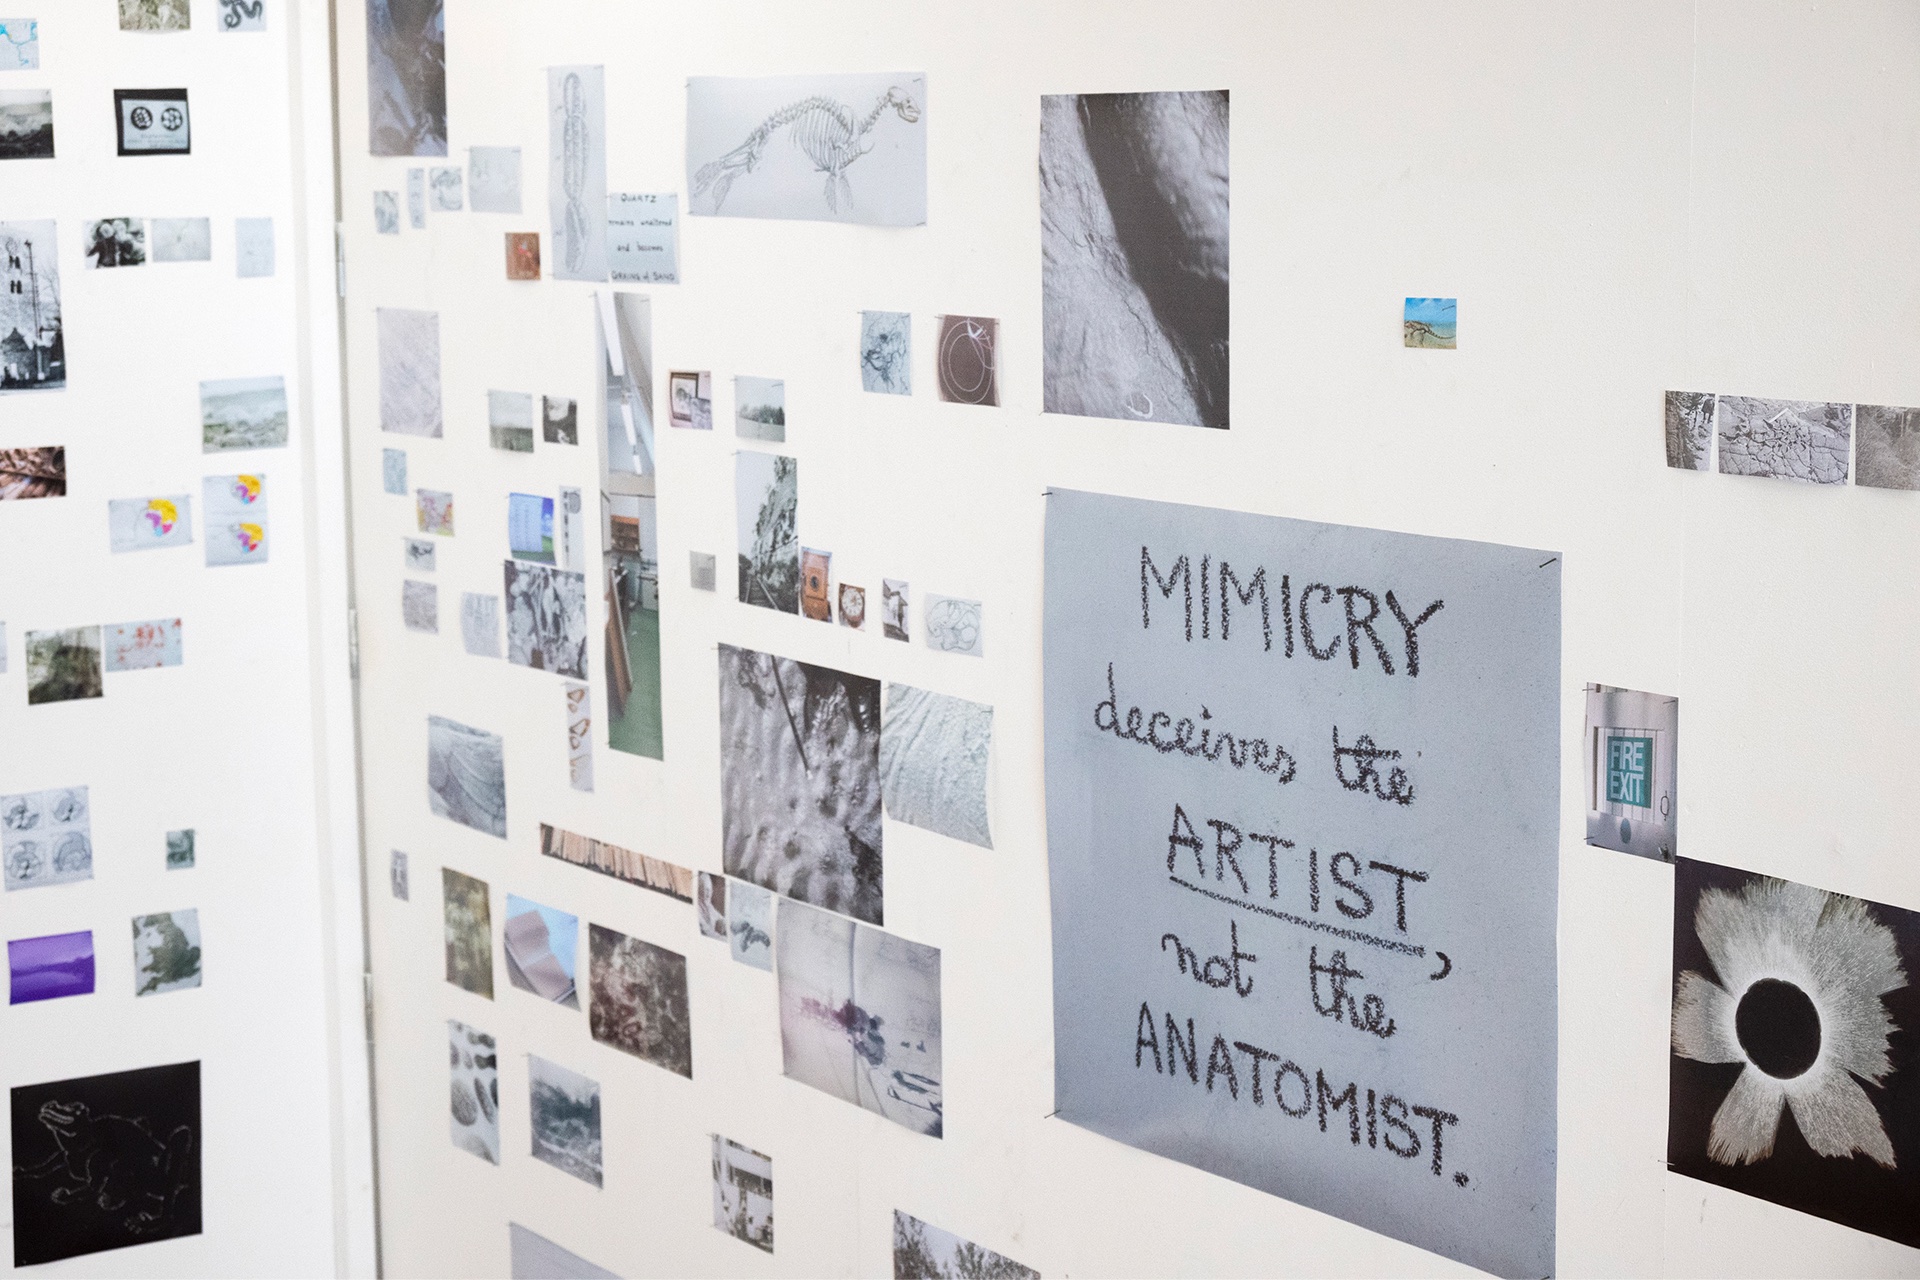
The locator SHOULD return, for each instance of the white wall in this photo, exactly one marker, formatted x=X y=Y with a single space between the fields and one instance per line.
x=249 y=742
x=1625 y=198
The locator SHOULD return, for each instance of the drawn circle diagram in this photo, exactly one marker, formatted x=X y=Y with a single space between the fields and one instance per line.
x=966 y=361
x=953 y=626
x=142 y=118
x=170 y=119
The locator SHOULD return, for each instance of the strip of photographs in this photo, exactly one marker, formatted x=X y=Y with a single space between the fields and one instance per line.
x=1802 y=440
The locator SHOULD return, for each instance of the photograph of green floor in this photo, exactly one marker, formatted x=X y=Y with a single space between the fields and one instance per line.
x=638 y=731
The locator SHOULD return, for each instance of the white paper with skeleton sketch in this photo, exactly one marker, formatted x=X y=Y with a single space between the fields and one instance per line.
x=835 y=148
x=577 y=171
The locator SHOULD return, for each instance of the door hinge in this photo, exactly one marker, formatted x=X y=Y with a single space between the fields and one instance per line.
x=366 y=989
x=340 y=259
x=353 y=643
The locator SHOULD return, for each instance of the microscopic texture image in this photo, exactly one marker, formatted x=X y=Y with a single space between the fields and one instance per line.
x=933 y=762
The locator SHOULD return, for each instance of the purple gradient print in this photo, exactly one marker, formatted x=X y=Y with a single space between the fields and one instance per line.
x=60 y=964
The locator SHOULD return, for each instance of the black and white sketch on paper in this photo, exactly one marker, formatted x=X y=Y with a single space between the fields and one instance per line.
x=419 y=554
x=840 y=148
x=743 y=1193
x=860 y=1015
x=955 y=626
x=480 y=624
x=407 y=77
x=467 y=775
x=409 y=371
x=886 y=352
x=386 y=213
x=1133 y=236
x=1887 y=455
x=546 y=618
x=46 y=837
x=564 y=1107
x=766 y=518
x=398 y=879
x=253 y=248
x=966 y=363
x=103 y=1162
x=417 y=199
x=444 y=182
x=493 y=179
x=115 y=242
x=1784 y=439
x=420 y=605
x=800 y=780
x=474 y=1097
x=750 y=924
x=577 y=171
x=182 y=240
x=243 y=15
x=33 y=349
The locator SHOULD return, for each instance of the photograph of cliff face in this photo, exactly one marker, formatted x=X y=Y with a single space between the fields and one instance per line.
x=1133 y=235
x=638 y=995
x=800 y=780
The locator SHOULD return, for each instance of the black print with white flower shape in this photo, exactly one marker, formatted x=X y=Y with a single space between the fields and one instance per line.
x=1794 y=1072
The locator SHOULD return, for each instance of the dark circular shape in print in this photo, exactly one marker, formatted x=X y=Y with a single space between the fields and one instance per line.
x=1778 y=1027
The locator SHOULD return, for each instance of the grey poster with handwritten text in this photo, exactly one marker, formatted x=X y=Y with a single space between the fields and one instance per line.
x=1302 y=817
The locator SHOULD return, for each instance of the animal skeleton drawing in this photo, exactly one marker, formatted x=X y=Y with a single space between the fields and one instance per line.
x=115 y=1161
x=827 y=130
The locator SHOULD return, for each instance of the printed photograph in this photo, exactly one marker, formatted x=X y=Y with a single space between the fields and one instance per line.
x=115 y=242
x=243 y=413
x=922 y=1251
x=1429 y=322
x=236 y=509
x=893 y=609
x=480 y=624
x=386 y=213
x=445 y=185
x=535 y=1257
x=50 y=968
x=63 y=665
x=33 y=353
x=406 y=77
x=630 y=549
x=638 y=999
x=26 y=124
x=703 y=571
x=964 y=362
x=933 y=763
x=886 y=352
x=766 y=520
x=660 y=876
x=253 y=246
x=860 y=1015
x=560 y=420
x=546 y=618
x=710 y=905
x=420 y=606
x=1795 y=1075
x=760 y=409
x=523 y=255
x=1629 y=760
x=166 y=952
x=1887 y=454
x=954 y=626
x=836 y=148
x=19 y=44
x=469 y=932
x=153 y=122
x=853 y=607
x=180 y=850
x=154 y=15
x=530 y=527
x=182 y=240
x=418 y=554
x=577 y=171
x=743 y=1193
x=33 y=473
x=1784 y=439
x=409 y=370
x=433 y=511
x=467 y=775
x=1689 y=425
x=541 y=946
x=146 y=524
x=690 y=401
x=493 y=179
x=473 y=1115
x=399 y=877
x=105 y=1162
x=510 y=421
x=46 y=837
x=564 y=1107
x=816 y=573
x=750 y=925
x=627 y=378
x=1133 y=239
x=142 y=646
x=800 y=780
x=393 y=472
